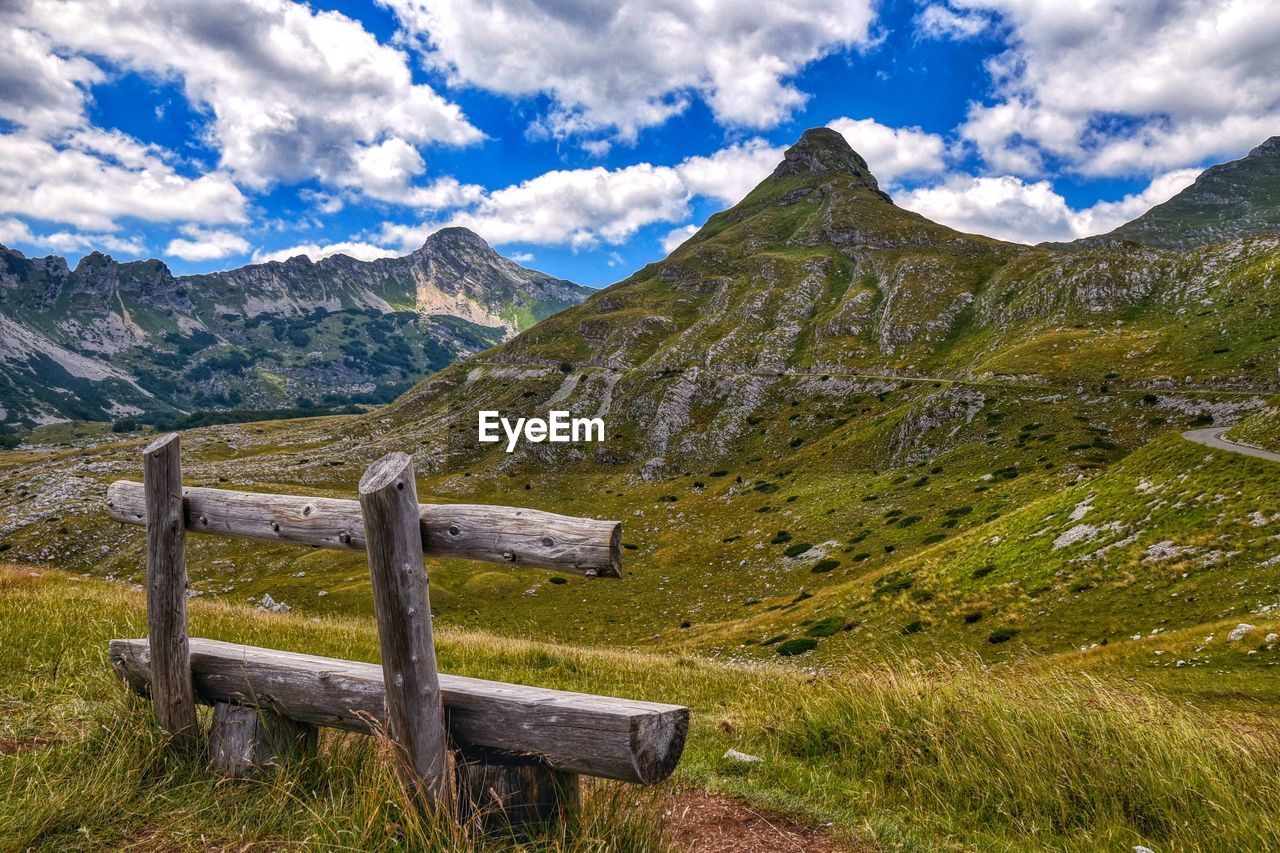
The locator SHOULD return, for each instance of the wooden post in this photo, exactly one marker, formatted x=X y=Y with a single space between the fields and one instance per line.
x=246 y=741
x=415 y=713
x=171 y=689
x=518 y=794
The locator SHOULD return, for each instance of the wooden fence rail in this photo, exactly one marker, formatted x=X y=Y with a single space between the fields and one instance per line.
x=508 y=752
x=496 y=534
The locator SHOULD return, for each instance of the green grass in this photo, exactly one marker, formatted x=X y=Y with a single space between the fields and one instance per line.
x=896 y=755
x=1261 y=429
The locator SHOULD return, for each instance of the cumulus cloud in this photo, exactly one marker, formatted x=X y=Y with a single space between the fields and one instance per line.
x=677 y=236
x=1009 y=208
x=894 y=153
x=623 y=65
x=201 y=244
x=316 y=251
x=1126 y=86
x=14 y=231
x=91 y=179
x=290 y=93
x=730 y=173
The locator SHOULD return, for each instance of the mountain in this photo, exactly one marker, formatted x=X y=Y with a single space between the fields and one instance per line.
x=820 y=411
x=109 y=340
x=1226 y=202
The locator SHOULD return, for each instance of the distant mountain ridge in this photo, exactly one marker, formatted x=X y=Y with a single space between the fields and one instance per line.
x=1226 y=202
x=110 y=340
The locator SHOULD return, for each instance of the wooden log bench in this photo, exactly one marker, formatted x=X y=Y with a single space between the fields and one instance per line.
x=508 y=752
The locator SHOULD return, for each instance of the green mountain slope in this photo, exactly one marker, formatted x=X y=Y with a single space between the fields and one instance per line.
x=1227 y=202
x=1261 y=429
x=108 y=340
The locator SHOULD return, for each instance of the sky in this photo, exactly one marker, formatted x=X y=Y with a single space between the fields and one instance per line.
x=586 y=138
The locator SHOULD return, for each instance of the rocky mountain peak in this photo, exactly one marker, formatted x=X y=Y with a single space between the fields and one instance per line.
x=821 y=151
x=456 y=239
x=1270 y=148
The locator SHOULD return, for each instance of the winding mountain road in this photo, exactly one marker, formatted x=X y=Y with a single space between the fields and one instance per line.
x=1212 y=437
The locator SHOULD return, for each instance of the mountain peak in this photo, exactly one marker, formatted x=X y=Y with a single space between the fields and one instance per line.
x=822 y=150
x=1270 y=148
x=456 y=235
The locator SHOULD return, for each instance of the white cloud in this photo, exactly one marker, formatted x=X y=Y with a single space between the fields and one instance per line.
x=677 y=236
x=79 y=241
x=522 y=257
x=1009 y=208
x=14 y=231
x=202 y=244
x=92 y=178
x=893 y=153
x=730 y=173
x=1127 y=86
x=314 y=251
x=290 y=93
x=937 y=21
x=38 y=88
x=624 y=65
x=577 y=207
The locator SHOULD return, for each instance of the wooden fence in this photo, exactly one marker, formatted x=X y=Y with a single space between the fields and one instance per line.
x=506 y=751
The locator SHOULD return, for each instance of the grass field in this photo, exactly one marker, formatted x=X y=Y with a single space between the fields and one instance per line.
x=900 y=755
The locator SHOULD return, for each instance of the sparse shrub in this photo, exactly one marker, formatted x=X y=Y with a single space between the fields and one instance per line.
x=797 y=549
x=824 y=566
x=933 y=538
x=971 y=616
x=1001 y=635
x=915 y=626
x=780 y=537
x=826 y=626
x=557 y=580
x=893 y=582
x=774 y=640
x=983 y=571
x=797 y=646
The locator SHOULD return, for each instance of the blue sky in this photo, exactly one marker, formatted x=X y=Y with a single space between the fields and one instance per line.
x=587 y=138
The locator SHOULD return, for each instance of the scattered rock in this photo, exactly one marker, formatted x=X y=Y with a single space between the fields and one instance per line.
x=1240 y=631
x=742 y=757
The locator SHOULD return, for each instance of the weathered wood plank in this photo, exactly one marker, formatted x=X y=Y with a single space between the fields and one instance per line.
x=621 y=739
x=171 y=694
x=402 y=607
x=500 y=796
x=246 y=741
x=495 y=534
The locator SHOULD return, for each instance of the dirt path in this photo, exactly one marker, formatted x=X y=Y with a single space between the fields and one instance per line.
x=1212 y=437
x=702 y=822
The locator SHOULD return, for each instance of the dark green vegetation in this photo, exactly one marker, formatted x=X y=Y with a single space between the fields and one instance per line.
x=130 y=342
x=894 y=756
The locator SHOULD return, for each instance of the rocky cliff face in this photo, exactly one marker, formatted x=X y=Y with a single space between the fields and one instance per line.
x=109 y=340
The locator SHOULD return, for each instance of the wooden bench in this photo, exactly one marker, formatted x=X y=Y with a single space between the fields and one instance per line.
x=508 y=751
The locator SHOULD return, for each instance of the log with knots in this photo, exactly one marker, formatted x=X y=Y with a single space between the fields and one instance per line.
x=507 y=752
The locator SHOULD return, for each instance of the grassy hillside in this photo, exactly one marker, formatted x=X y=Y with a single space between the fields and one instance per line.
x=899 y=757
x=1261 y=429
